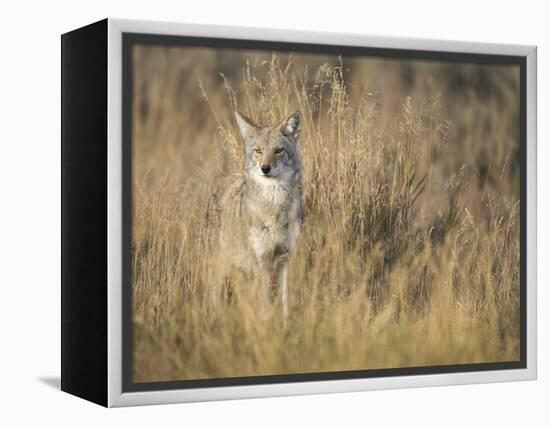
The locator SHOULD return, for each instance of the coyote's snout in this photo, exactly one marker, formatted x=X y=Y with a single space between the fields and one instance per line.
x=254 y=218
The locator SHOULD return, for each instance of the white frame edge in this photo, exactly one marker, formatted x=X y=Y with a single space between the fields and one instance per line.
x=115 y=396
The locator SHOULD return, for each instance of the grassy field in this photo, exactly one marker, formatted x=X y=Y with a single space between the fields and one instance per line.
x=409 y=251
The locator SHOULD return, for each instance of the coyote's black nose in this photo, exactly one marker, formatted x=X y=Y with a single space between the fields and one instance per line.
x=265 y=169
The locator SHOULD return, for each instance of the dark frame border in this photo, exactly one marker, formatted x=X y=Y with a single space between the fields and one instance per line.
x=84 y=239
x=131 y=39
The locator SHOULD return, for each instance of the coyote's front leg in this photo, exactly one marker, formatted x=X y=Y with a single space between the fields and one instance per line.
x=278 y=282
x=283 y=288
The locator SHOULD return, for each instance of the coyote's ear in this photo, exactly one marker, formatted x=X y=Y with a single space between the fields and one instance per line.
x=291 y=125
x=246 y=125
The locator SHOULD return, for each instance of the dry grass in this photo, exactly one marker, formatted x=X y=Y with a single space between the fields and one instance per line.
x=409 y=251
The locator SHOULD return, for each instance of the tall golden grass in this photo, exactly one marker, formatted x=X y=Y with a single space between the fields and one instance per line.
x=409 y=250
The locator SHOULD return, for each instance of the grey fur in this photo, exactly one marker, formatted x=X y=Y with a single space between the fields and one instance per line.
x=254 y=218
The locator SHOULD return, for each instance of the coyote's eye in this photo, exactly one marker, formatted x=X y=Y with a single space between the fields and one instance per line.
x=257 y=150
x=279 y=150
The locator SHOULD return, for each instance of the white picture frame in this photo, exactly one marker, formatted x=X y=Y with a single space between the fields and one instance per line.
x=116 y=395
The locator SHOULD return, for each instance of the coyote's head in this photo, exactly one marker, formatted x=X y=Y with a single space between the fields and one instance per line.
x=271 y=152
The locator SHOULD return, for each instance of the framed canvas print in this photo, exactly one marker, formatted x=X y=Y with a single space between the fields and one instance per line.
x=251 y=213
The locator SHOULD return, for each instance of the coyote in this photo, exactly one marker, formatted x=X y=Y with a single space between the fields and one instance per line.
x=254 y=218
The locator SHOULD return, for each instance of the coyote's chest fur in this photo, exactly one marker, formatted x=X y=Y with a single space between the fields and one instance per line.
x=258 y=221
x=274 y=219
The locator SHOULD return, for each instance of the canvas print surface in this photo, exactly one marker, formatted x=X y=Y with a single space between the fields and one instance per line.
x=300 y=212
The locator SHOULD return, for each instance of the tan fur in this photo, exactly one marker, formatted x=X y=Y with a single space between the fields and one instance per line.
x=254 y=218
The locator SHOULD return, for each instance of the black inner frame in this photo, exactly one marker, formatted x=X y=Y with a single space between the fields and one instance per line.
x=130 y=39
